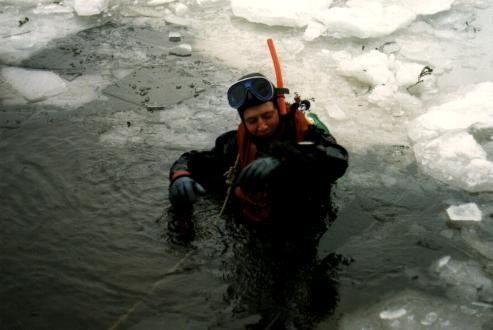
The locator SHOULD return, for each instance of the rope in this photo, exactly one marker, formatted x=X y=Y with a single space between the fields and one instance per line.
x=230 y=176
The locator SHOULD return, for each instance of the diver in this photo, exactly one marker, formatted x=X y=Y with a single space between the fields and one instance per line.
x=280 y=166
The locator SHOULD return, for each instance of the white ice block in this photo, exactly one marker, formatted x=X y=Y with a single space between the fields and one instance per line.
x=391 y=314
x=90 y=7
x=465 y=212
x=34 y=85
x=279 y=12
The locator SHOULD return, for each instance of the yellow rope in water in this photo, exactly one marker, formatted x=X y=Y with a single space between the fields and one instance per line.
x=132 y=309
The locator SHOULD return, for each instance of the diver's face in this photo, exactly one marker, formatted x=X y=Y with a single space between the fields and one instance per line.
x=261 y=120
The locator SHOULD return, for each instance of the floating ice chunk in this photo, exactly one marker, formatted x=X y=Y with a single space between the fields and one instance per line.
x=81 y=90
x=174 y=36
x=389 y=97
x=314 y=30
x=171 y=18
x=443 y=261
x=458 y=114
x=371 y=18
x=90 y=7
x=456 y=158
x=181 y=50
x=406 y=73
x=445 y=149
x=465 y=212
x=179 y=9
x=387 y=75
x=19 y=42
x=426 y=7
x=376 y=68
x=34 y=85
x=391 y=314
x=361 y=19
x=279 y=12
x=158 y=2
x=371 y=68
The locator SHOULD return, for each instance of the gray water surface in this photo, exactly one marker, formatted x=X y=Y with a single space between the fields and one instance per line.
x=84 y=223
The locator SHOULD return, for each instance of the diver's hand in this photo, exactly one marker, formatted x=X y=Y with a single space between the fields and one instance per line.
x=254 y=175
x=184 y=191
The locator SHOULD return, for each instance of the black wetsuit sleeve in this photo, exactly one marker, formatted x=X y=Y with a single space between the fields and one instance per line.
x=337 y=155
x=208 y=167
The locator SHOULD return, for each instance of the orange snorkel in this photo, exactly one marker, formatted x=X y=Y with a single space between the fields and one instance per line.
x=280 y=85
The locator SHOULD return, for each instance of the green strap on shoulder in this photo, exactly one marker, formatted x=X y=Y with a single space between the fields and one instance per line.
x=316 y=121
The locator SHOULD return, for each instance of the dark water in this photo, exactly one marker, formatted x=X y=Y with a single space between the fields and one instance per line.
x=85 y=239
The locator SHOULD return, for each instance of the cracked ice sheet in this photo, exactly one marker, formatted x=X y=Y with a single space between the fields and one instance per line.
x=446 y=150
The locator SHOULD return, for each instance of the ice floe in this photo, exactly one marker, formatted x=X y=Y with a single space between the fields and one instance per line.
x=181 y=50
x=34 y=85
x=42 y=24
x=444 y=146
x=279 y=12
x=387 y=77
x=465 y=212
x=90 y=7
x=370 y=19
x=360 y=19
x=391 y=314
x=376 y=68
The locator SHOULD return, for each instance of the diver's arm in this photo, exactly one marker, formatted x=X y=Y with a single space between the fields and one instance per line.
x=207 y=167
x=337 y=155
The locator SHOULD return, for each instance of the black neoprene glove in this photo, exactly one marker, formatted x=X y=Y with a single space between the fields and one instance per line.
x=184 y=191
x=254 y=175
